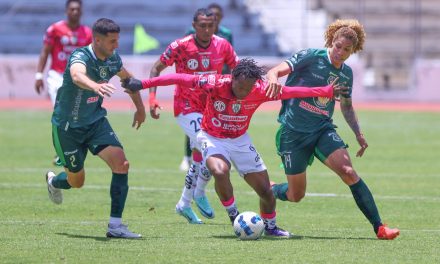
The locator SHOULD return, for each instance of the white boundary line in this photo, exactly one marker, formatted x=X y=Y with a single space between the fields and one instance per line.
x=151 y=189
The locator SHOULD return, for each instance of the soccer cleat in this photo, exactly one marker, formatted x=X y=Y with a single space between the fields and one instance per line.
x=121 y=231
x=277 y=232
x=55 y=194
x=184 y=165
x=204 y=207
x=57 y=161
x=387 y=233
x=189 y=214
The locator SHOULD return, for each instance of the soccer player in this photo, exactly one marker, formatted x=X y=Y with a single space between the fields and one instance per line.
x=231 y=102
x=222 y=32
x=60 y=40
x=200 y=53
x=79 y=123
x=307 y=129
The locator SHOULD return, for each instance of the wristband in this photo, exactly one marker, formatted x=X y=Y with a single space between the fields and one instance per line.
x=39 y=76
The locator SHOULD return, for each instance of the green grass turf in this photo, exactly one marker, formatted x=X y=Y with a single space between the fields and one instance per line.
x=401 y=168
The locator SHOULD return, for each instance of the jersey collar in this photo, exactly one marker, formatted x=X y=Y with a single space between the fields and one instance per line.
x=92 y=52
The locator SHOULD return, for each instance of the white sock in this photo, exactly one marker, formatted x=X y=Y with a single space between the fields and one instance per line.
x=115 y=221
x=270 y=223
x=188 y=189
x=202 y=180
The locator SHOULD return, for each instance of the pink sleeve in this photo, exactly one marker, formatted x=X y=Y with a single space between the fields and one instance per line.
x=169 y=79
x=300 y=92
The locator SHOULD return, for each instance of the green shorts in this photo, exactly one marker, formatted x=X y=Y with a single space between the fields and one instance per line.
x=297 y=149
x=72 y=144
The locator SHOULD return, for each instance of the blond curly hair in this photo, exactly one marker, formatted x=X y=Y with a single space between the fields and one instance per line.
x=348 y=28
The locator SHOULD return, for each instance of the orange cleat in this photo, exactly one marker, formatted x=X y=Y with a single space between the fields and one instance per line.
x=387 y=233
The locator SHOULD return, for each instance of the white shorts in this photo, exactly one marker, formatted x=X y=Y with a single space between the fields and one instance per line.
x=54 y=82
x=190 y=123
x=238 y=151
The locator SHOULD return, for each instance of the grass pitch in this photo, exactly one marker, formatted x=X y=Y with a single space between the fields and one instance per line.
x=401 y=168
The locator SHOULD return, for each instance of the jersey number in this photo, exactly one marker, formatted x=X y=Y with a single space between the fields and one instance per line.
x=196 y=123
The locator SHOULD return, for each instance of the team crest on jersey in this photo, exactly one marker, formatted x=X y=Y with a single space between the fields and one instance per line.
x=219 y=106
x=205 y=62
x=64 y=40
x=102 y=72
x=236 y=107
x=192 y=64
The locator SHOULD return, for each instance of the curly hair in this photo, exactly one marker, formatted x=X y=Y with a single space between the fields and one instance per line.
x=247 y=68
x=348 y=28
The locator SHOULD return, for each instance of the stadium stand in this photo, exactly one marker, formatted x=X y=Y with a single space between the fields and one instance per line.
x=25 y=22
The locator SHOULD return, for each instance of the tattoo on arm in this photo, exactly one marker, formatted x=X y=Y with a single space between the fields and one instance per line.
x=350 y=115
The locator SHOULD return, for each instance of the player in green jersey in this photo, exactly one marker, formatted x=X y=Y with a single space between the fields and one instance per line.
x=307 y=130
x=79 y=122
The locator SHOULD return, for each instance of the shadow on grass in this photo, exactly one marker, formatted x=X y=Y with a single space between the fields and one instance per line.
x=97 y=238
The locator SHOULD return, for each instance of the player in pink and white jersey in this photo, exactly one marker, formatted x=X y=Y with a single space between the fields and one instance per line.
x=60 y=39
x=196 y=54
x=232 y=100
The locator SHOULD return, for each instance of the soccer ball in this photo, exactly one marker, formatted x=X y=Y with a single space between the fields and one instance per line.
x=248 y=226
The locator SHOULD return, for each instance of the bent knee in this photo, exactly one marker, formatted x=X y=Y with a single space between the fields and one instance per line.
x=121 y=167
x=295 y=197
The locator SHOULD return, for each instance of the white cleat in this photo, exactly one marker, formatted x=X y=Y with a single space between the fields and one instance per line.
x=55 y=194
x=121 y=231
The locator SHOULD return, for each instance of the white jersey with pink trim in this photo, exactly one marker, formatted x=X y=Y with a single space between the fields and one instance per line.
x=225 y=116
x=64 y=40
x=191 y=58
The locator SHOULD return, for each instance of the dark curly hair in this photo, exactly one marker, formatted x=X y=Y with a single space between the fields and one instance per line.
x=247 y=68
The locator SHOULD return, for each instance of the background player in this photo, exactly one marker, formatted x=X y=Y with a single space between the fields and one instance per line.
x=307 y=129
x=60 y=40
x=225 y=33
x=199 y=53
x=232 y=100
x=79 y=124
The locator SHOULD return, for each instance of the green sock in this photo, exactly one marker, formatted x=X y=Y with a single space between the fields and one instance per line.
x=118 y=193
x=280 y=191
x=365 y=201
x=60 y=181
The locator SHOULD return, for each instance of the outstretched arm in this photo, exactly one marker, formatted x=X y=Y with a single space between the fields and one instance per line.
x=164 y=80
x=301 y=92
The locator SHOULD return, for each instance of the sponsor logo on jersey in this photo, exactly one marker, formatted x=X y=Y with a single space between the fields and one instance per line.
x=216 y=122
x=236 y=107
x=211 y=79
x=93 y=99
x=233 y=118
x=317 y=76
x=174 y=45
x=343 y=75
x=64 y=40
x=205 y=62
x=250 y=106
x=192 y=64
x=311 y=108
x=219 y=106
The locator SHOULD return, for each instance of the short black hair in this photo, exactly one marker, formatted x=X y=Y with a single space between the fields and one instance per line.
x=216 y=6
x=70 y=1
x=247 y=68
x=202 y=12
x=104 y=26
